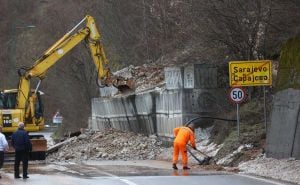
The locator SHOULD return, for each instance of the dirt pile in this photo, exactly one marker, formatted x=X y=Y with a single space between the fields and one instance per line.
x=108 y=145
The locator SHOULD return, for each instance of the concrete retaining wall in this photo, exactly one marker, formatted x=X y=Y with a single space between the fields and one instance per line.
x=159 y=111
x=148 y=113
x=283 y=136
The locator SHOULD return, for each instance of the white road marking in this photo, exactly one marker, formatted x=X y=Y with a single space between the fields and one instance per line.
x=119 y=178
x=261 y=179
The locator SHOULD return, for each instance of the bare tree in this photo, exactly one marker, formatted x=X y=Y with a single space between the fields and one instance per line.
x=250 y=29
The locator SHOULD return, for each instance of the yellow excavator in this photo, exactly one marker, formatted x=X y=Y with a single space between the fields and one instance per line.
x=24 y=104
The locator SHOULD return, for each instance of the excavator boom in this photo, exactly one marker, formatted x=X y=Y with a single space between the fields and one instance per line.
x=92 y=36
x=89 y=33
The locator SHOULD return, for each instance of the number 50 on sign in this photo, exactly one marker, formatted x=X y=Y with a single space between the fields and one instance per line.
x=237 y=94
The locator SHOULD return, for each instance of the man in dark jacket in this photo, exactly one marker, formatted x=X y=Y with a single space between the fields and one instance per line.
x=20 y=141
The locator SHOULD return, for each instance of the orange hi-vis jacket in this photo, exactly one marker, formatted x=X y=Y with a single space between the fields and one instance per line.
x=184 y=135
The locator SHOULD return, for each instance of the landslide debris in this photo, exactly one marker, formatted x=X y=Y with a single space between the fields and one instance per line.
x=108 y=144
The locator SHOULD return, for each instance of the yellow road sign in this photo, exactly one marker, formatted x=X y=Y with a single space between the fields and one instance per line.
x=250 y=73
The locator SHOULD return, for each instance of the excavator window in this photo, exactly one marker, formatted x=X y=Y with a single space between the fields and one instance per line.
x=8 y=100
x=1 y=101
x=39 y=109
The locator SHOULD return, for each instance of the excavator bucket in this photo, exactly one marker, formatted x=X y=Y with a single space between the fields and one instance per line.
x=121 y=83
x=125 y=85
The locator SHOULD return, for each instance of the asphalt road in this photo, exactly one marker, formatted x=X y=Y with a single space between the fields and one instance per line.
x=125 y=173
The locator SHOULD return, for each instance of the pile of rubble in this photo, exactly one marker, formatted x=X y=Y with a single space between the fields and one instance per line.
x=108 y=145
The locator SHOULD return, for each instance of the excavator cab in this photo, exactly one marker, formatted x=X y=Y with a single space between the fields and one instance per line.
x=8 y=101
x=10 y=118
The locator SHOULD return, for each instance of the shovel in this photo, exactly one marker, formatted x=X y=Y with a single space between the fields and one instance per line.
x=205 y=161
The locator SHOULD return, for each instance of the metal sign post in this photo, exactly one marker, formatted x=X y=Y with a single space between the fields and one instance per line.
x=265 y=110
x=238 y=119
x=237 y=95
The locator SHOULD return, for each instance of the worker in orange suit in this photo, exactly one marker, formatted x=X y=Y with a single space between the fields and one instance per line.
x=183 y=135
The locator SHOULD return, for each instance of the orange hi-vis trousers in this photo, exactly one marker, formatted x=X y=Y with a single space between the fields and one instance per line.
x=180 y=147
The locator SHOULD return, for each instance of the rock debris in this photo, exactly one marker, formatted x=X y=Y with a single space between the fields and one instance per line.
x=108 y=144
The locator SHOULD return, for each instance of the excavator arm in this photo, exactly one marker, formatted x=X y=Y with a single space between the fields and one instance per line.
x=91 y=35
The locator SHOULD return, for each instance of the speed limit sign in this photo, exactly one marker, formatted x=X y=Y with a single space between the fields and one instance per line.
x=237 y=94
